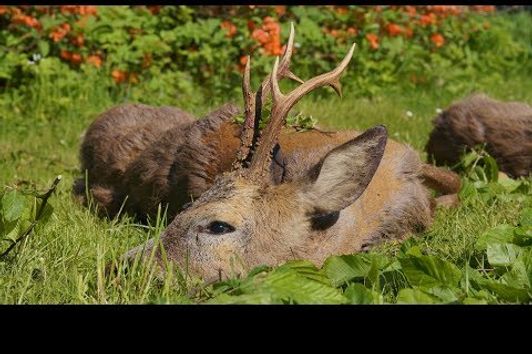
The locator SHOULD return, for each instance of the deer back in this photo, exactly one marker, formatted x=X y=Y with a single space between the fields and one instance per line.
x=504 y=127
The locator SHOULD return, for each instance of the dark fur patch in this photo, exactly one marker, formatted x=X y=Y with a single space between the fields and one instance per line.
x=322 y=222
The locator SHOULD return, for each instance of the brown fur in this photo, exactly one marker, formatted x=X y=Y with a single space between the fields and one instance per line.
x=114 y=141
x=505 y=128
x=338 y=194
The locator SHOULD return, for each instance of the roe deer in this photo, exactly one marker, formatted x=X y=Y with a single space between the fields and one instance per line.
x=272 y=195
x=504 y=127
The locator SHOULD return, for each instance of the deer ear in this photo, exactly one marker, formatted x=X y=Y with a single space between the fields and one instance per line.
x=345 y=172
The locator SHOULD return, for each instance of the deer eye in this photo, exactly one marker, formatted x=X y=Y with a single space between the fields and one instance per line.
x=220 y=228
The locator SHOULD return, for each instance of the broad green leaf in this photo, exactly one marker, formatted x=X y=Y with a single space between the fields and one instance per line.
x=474 y=301
x=255 y=298
x=415 y=296
x=430 y=271
x=443 y=293
x=491 y=169
x=506 y=292
x=357 y=293
x=525 y=219
x=499 y=234
x=44 y=48
x=502 y=254
x=13 y=204
x=517 y=277
x=340 y=269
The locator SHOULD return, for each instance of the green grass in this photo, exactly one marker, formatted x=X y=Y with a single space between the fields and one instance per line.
x=64 y=260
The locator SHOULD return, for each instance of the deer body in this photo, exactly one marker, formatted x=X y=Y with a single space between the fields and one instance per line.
x=263 y=197
x=504 y=127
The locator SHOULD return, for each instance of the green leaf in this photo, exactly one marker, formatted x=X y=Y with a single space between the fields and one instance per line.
x=430 y=271
x=525 y=219
x=491 y=169
x=474 y=301
x=499 y=234
x=44 y=48
x=357 y=293
x=341 y=269
x=12 y=206
x=414 y=296
x=502 y=254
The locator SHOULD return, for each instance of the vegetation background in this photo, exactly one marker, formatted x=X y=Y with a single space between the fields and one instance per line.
x=60 y=66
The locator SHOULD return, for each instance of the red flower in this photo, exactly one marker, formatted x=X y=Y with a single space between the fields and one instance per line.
x=229 y=27
x=410 y=10
x=154 y=9
x=280 y=10
x=76 y=58
x=26 y=20
x=78 y=40
x=428 y=19
x=119 y=75
x=352 y=31
x=437 y=39
x=94 y=60
x=60 y=32
x=394 y=29
x=65 y=54
x=488 y=8
x=373 y=40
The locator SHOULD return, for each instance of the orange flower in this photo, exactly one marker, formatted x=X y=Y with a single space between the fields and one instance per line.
x=78 y=40
x=428 y=19
x=270 y=25
x=229 y=27
x=410 y=10
x=437 y=39
x=334 y=33
x=243 y=60
x=81 y=10
x=3 y=10
x=94 y=60
x=60 y=32
x=76 y=58
x=27 y=21
x=352 y=31
x=373 y=40
x=341 y=10
x=409 y=32
x=394 y=29
x=65 y=54
x=488 y=8
x=280 y=10
x=88 y=10
x=154 y=9
x=119 y=75
x=260 y=35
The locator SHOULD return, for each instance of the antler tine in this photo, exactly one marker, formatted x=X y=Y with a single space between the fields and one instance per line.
x=284 y=67
x=283 y=103
x=251 y=113
x=246 y=138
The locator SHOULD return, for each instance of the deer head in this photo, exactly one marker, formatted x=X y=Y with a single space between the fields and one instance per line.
x=250 y=216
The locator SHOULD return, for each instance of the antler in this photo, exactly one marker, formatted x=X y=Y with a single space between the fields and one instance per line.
x=253 y=102
x=281 y=106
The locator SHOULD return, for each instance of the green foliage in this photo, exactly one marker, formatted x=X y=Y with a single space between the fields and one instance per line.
x=171 y=55
x=17 y=213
